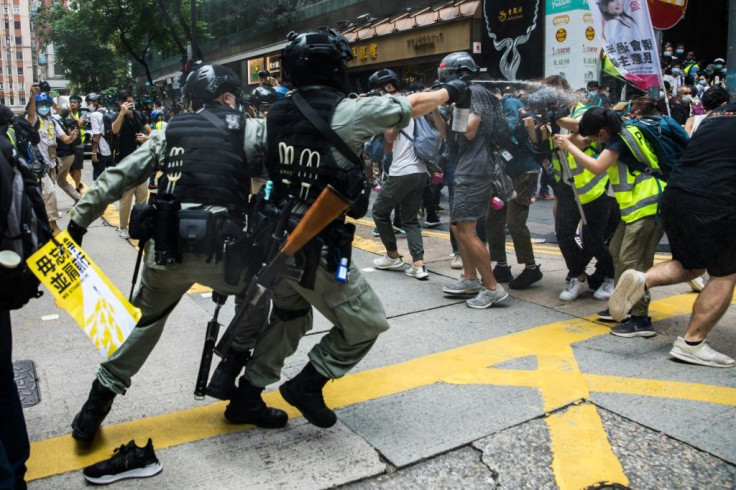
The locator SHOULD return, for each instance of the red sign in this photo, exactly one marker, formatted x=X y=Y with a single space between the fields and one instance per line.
x=666 y=13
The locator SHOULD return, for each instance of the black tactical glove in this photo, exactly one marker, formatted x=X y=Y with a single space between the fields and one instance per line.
x=457 y=89
x=76 y=232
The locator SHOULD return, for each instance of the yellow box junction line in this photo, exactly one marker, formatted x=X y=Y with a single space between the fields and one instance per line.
x=582 y=454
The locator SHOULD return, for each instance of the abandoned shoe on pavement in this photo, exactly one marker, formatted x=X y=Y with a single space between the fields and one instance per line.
x=222 y=383
x=128 y=461
x=87 y=422
x=304 y=392
x=247 y=407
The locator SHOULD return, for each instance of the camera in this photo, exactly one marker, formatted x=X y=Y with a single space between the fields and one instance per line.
x=44 y=86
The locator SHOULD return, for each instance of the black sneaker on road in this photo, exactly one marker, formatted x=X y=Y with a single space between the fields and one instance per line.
x=526 y=278
x=605 y=316
x=128 y=461
x=502 y=273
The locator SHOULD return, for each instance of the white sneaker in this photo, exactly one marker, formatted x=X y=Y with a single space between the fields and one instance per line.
x=456 y=262
x=573 y=289
x=464 y=287
x=697 y=284
x=418 y=272
x=702 y=354
x=605 y=290
x=630 y=289
x=387 y=263
x=124 y=234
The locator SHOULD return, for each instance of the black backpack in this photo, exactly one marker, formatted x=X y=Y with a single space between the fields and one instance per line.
x=26 y=140
x=24 y=228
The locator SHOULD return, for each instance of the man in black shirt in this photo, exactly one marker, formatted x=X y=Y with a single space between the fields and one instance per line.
x=697 y=212
x=129 y=130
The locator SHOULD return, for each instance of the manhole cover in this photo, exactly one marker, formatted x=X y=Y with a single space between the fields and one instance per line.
x=25 y=379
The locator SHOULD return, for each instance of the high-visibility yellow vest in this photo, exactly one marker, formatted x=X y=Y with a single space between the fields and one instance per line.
x=81 y=129
x=589 y=185
x=11 y=136
x=637 y=193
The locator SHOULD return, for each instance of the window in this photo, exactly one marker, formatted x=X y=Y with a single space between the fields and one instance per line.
x=1 y=86
x=19 y=55
x=22 y=101
x=18 y=40
x=1 y=70
x=16 y=10
x=17 y=24
x=10 y=85
x=12 y=101
x=20 y=70
x=5 y=9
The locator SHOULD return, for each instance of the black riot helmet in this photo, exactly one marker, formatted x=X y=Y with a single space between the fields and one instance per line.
x=263 y=97
x=208 y=82
x=383 y=77
x=318 y=56
x=455 y=65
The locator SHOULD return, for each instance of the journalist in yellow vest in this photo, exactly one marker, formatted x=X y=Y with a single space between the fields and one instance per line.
x=637 y=193
x=600 y=210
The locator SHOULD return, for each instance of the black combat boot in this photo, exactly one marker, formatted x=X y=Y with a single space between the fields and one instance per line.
x=222 y=383
x=93 y=412
x=304 y=391
x=247 y=407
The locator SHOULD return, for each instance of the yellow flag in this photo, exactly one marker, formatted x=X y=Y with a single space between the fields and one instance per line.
x=82 y=289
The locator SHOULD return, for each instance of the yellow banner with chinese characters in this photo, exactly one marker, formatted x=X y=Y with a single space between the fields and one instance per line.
x=82 y=289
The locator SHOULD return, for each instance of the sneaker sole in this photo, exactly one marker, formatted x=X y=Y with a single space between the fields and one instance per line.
x=641 y=333
x=389 y=267
x=483 y=307
x=421 y=278
x=145 y=472
x=464 y=293
x=601 y=297
x=621 y=300
x=696 y=360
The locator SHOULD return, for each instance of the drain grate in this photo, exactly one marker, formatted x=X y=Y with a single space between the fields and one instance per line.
x=25 y=379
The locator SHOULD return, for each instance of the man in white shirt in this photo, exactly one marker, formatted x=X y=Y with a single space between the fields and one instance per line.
x=407 y=177
x=101 y=154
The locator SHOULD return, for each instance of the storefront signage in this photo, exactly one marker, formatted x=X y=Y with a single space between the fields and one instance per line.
x=571 y=51
x=424 y=42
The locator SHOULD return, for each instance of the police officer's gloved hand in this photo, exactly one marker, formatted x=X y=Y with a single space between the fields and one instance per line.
x=457 y=89
x=76 y=232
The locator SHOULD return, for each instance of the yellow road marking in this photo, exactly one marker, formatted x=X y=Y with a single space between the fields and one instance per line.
x=581 y=452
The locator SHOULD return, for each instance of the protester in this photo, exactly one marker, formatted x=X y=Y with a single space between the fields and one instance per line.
x=697 y=211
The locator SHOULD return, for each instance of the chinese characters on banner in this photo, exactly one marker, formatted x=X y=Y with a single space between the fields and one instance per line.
x=572 y=45
x=628 y=40
x=86 y=294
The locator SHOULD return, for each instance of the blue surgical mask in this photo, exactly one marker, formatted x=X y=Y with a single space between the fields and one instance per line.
x=592 y=93
x=675 y=71
x=667 y=54
x=679 y=51
x=701 y=83
x=719 y=66
x=43 y=110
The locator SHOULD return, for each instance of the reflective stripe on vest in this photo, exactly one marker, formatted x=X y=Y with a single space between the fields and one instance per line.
x=11 y=136
x=637 y=193
x=589 y=185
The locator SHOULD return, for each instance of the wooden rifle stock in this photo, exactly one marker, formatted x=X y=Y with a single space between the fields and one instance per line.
x=329 y=205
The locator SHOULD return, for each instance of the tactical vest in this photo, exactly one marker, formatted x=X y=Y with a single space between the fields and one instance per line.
x=300 y=161
x=206 y=164
x=589 y=185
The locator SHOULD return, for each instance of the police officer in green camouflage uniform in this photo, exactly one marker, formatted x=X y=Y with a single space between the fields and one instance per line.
x=301 y=161
x=205 y=173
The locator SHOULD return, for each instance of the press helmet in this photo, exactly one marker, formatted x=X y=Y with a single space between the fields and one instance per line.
x=208 y=82
x=317 y=56
x=263 y=97
x=43 y=98
x=383 y=77
x=455 y=65
x=92 y=97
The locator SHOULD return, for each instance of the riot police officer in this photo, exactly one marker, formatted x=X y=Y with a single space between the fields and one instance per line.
x=315 y=62
x=203 y=196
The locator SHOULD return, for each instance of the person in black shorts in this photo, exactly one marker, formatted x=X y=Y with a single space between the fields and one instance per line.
x=697 y=212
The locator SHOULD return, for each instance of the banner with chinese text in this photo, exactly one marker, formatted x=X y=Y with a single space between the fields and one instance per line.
x=572 y=45
x=82 y=289
x=628 y=39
